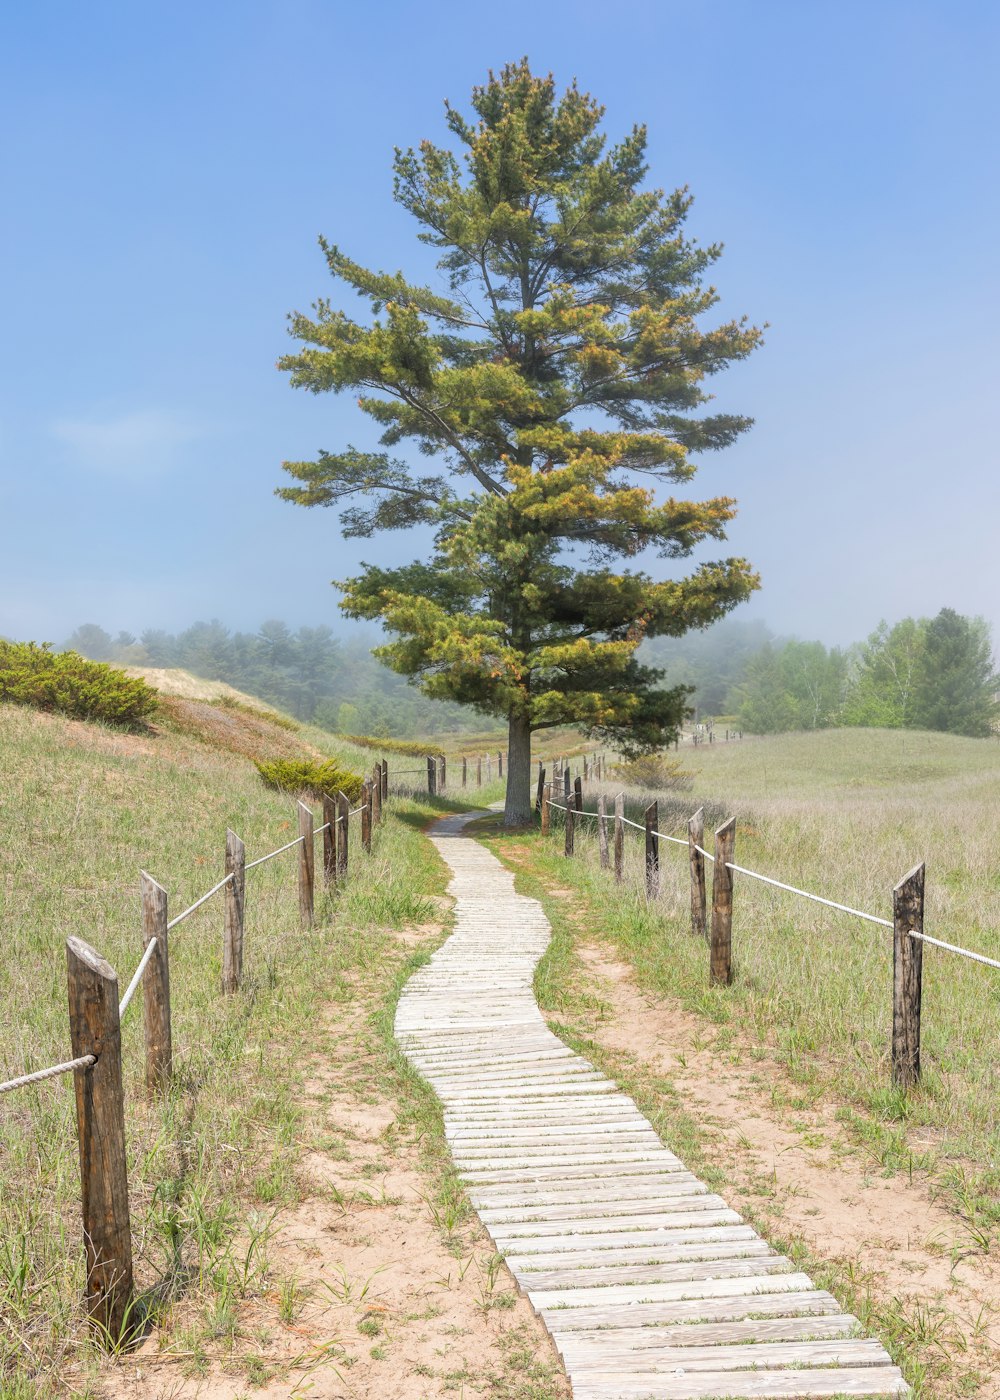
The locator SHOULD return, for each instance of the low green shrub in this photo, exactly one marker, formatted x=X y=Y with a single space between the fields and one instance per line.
x=33 y=674
x=655 y=772
x=368 y=741
x=308 y=776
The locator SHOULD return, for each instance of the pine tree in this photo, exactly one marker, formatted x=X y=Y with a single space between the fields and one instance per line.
x=557 y=386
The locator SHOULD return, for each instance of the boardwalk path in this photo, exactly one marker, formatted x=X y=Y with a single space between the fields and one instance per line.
x=648 y=1283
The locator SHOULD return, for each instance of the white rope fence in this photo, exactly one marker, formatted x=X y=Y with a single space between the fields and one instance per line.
x=793 y=889
x=37 y=1076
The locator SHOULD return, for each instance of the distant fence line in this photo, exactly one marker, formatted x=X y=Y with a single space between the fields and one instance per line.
x=907 y=922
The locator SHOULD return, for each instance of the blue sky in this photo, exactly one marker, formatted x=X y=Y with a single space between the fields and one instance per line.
x=167 y=168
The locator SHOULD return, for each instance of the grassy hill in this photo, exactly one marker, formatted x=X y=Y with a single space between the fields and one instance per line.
x=84 y=809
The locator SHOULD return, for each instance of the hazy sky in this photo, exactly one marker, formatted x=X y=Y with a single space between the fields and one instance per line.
x=167 y=167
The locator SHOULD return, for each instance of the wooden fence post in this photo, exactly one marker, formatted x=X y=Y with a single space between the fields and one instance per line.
x=619 y=837
x=499 y=765
x=465 y=770
x=306 y=866
x=366 y=816
x=156 y=986
x=652 y=820
x=343 y=831
x=546 y=816
x=907 y=977
x=329 y=840
x=566 y=785
x=578 y=794
x=95 y=1029
x=489 y=769
x=234 y=900
x=385 y=778
x=696 y=838
x=431 y=777
x=479 y=771
x=442 y=773
x=721 y=964
x=602 y=831
x=540 y=788
x=376 y=791
x=570 y=824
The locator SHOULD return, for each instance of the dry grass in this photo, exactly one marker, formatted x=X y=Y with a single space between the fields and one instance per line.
x=84 y=809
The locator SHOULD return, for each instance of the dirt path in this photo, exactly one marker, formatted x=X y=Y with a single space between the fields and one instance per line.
x=792 y=1168
x=374 y=1280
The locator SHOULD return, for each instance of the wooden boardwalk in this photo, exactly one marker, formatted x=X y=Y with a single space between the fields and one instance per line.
x=649 y=1284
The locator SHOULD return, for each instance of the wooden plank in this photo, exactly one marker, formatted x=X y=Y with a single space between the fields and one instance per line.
x=844 y=1351
x=744 y=1286
x=571 y=1243
x=566 y=1321
x=642 y=1275
x=869 y=1381
x=585 y=1344
x=658 y=1253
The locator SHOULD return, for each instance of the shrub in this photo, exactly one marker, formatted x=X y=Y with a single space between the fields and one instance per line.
x=656 y=772
x=308 y=776
x=407 y=746
x=32 y=674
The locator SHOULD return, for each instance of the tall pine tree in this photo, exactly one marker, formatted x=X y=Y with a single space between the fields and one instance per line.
x=558 y=385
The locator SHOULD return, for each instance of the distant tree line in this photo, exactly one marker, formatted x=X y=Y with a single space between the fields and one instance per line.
x=309 y=673
x=921 y=673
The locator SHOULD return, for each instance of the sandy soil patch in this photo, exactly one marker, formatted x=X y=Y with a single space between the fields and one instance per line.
x=792 y=1167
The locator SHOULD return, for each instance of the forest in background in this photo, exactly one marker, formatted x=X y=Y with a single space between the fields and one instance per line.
x=921 y=673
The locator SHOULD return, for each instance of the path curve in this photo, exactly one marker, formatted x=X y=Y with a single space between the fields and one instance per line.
x=648 y=1283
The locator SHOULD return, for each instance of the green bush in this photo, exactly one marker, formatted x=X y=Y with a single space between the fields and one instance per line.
x=32 y=674
x=655 y=772
x=308 y=776
x=407 y=746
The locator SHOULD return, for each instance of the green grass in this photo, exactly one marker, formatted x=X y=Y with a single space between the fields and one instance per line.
x=844 y=814
x=85 y=809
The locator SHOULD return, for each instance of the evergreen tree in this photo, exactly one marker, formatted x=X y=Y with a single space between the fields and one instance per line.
x=557 y=385
x=957 y=679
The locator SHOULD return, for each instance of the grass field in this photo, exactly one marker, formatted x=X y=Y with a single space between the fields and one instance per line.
x=84 y=809
x=844 y=814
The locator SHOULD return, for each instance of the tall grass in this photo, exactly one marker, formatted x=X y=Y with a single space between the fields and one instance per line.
x=83 y=810
x=845 y=815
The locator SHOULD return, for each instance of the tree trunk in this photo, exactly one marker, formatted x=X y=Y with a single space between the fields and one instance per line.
x=517 y=808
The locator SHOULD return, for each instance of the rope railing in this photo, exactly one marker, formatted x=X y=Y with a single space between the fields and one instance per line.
x=151 y=947
x=179 y=918
x=906 y=923
x=39 y=1074
x=261 y=859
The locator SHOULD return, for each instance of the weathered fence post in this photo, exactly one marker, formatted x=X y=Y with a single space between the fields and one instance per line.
x=95 y=1029
x=234 y=903
x=567 y=785
x=306 y=866
x=442 y=773
x=479 y=771
x=696 y=839
x=652 y=820
x=578 y=794
x=499 y=765
x=907 y=977
x=545 y=808
x=329 y=840
x=465 y=770
x=343 y=831
x=602 y=831
x=376 y=792
x=366 y=816
x=721 y=964
x=570 y=824
x=431 y=776
x=384 y=778
x=156 y=986
x=540 y=788
x=489 y=769
x=619 y=837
